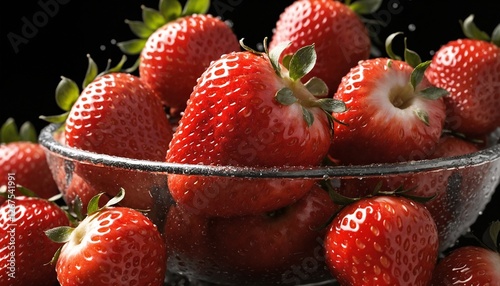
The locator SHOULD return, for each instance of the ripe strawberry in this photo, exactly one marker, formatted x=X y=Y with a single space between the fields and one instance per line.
x=25 y=251
x=177 y=46
x=111 y=246
x=469 y=69
x=115 y=114
x=24 y=160
x=393 y=113
x=248 y=110
x=382 y=240
x=471 y=265
x=280 y=247
x=339 y=36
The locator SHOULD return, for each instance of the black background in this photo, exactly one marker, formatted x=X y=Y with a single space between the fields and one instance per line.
x=63 y=32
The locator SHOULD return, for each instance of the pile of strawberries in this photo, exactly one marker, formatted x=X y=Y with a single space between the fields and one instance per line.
x=311 y=96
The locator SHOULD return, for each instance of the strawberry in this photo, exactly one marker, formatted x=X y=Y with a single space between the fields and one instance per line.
x=382 y=240
x=471 y=264
x=469 y=68
x=249 y=111
x=176 y=46
x=26 y=251
x=112 y=245
x=115 y=114
x=24 y=160
x=393 y=113
x=340 y=37
x=279 y=247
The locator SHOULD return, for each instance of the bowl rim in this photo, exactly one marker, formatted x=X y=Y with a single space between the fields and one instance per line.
x=46 y=139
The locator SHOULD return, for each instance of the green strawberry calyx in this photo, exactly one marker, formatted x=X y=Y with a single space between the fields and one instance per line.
x=405 y=95
x=152 y=19
x=312 y=94
x=362 y=7
x=74 y=235
x=471 y=31
x=68 y=91
x=9 y=132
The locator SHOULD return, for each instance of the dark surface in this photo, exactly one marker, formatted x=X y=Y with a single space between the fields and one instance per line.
x=54 y=37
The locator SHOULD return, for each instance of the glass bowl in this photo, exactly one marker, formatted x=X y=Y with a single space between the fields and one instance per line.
x=236 y=250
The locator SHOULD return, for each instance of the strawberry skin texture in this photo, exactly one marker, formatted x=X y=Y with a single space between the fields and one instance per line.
x=176 y=54
x=470 y=71
x=233 y=119
x=339 y=36
x=382 y=241
x=117 y=114
x=33 y=249
x=256 y=249
x=468 y=265
x=376 y=129
x=28 y=163
x=119 y=246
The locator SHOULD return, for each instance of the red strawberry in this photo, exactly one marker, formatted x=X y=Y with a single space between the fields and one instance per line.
x=450 y=146
x=111 y=246
x=339 y=36
x=25 y=250
x=177 y=46
x=280 y=247
x=382 y=240
x=249 y=111
x=23 y=160
x=469 y=69
x=393 y=113
x=471 y=265
x=116 y=114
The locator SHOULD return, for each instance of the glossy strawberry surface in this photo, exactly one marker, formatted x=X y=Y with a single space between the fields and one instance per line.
x=25 y=251
x=382 y=241
x=233 y=119
x=386 y=119
x=176 y=54
x=470 y=70
x=115 y=246
x=339 y=36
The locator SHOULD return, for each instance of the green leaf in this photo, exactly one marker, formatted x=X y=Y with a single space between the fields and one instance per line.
x=471 y=31
x=433 y=92
x=332 y=105
x=317 y=87
x=152 y=18
x=60 y=234
x=490 y=236
x=418 y=73
x=67 y=92
x=25 y=191
x=363 y=7
x=308 y=116
x=132 y=47
x=116 y=199
x=388 y=46
x=9 y=132
x=90 y=75
x=302 y=62
x=28 y=133
x=118 y=66
x=286 y=61
x=60 y=118
x=93 y=205
x=422 y=115
x=285 y=96
x=196 y=7
x=495 y=37
x=411 y=57
x=275 y=54
x=170 y=9
x=140 y=29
